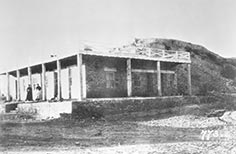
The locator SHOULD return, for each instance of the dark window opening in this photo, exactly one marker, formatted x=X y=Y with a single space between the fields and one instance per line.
x=137 y=80
x=110 y=80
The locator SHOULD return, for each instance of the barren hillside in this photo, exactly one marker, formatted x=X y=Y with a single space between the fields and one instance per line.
x=210 y=72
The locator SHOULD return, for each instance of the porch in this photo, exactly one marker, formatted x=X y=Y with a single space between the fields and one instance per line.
x=78 y=76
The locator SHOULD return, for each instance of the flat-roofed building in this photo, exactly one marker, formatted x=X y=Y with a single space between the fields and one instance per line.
x=132 y=71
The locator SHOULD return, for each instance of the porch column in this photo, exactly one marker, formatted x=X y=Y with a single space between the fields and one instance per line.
x=176 y=82
x=159 y=78
x=8 y=86
x=44 y=94
x=69 y=81
x=189 y=80
x=84 y=86
x=18 y=84
x=58 y=80
x=79 y=67
x=29 y=75
x=129 y=78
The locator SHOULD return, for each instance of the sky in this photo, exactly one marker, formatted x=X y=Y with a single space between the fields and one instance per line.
x=32 y=30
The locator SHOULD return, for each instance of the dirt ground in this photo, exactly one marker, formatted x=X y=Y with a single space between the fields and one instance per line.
x=162 y=134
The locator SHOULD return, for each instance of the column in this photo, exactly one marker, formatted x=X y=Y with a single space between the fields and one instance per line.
x=69 y=81
x=189 y=80
x=29 y=76
x=8 y=86
x=58 y=80
x=18 y=84
x=129 y=78
x=176 y=82
x=79 y=66
x=44 y=93
x=159 y=78
x=84 y=86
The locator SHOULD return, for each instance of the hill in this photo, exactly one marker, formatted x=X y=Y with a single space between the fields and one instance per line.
x=210 y=72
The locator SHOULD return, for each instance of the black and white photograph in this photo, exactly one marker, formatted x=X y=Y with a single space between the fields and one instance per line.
x=117 y=77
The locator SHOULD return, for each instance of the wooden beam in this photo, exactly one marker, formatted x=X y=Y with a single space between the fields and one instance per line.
x=129 y=78
x=167 y=72
x=84 y=86
x=159 y=78
x=189 y=80
x=18 y=84
x=79 y=67
x=8 y=86
x=44 y=92
x=152 y=71
x=58 y=80
x=143 y=71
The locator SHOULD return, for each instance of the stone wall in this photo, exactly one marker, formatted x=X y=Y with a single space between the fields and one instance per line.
x=146 y=86
x=169 y=85
x=109 y=107
x=96 y=77
x=45 y=110
x=169 y=81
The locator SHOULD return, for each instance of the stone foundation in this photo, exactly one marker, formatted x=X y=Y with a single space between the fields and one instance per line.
x=45 y=110
x=109 y=107
x=106 y=107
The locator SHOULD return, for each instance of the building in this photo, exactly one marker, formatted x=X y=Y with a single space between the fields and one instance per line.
x=134 y=71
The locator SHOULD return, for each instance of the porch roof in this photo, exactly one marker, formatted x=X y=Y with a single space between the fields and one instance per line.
x=132 y=53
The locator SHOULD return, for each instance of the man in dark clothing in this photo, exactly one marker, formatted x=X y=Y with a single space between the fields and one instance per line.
x=29 y=96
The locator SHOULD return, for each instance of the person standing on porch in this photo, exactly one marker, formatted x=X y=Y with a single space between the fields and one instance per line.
x=38 y=93
x=29 y=96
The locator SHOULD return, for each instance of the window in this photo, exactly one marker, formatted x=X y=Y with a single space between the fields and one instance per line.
x=110 y=77
x=137 y=80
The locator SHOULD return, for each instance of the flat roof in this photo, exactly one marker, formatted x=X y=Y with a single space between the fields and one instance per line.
x=148 y=54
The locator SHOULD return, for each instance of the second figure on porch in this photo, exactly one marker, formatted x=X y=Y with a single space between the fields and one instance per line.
x=38 y=93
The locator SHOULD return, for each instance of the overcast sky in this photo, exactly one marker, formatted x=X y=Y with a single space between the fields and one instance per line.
x=31 y=30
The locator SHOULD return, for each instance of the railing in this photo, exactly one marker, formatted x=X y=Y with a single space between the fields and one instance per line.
x=165 y=54
x=152 y=53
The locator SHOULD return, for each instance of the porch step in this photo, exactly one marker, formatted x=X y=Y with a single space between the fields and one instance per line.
x=10 y=107
x=8 y=116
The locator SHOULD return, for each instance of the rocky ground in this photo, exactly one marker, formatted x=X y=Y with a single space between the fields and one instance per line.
x=162 y=148
x=193 y=121
x=172 y=134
